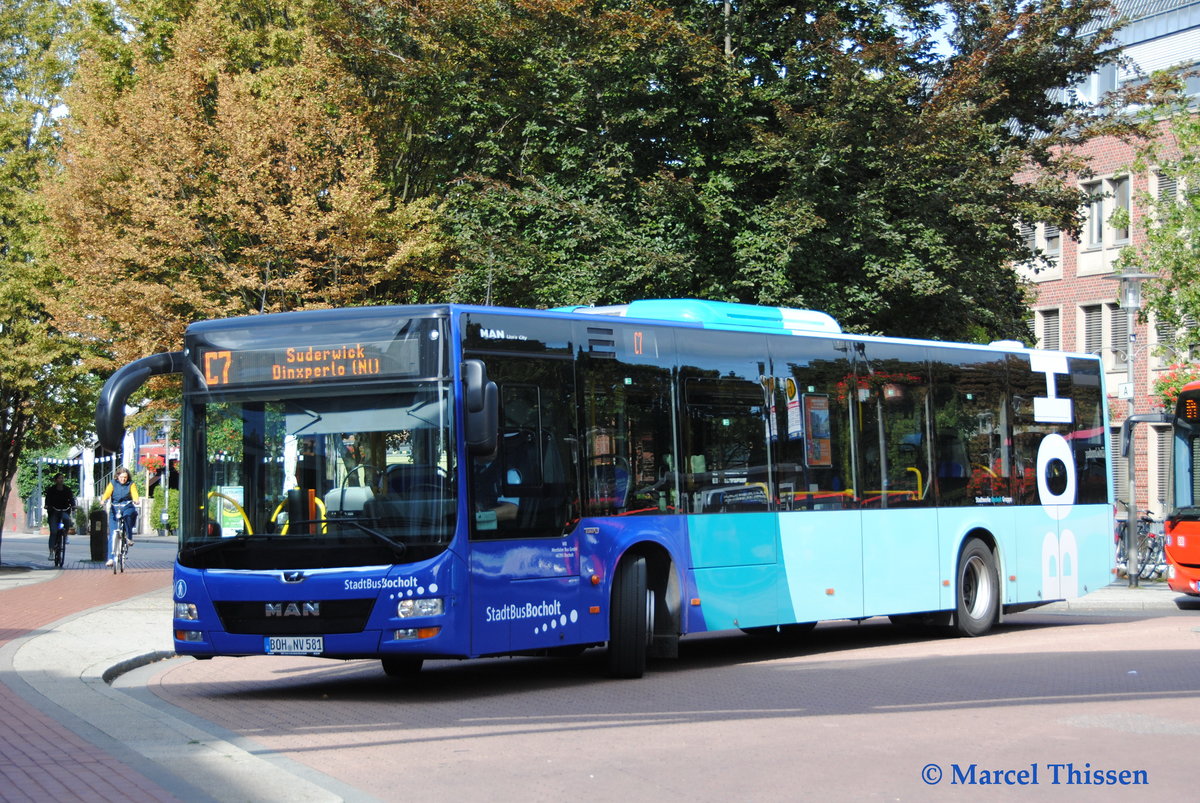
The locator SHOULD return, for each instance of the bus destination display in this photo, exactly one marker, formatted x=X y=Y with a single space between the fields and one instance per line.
x=302 y=364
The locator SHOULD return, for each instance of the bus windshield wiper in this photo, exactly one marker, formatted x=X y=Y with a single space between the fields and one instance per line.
x=397 y=546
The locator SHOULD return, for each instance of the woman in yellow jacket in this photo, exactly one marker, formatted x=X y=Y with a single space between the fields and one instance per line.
x=122 y=498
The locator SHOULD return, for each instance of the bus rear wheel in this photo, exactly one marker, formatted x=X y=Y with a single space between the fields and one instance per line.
x=978 y=590
x=630 y=615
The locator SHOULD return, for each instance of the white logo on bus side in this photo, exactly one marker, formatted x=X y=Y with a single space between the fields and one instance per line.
x=1060 y=553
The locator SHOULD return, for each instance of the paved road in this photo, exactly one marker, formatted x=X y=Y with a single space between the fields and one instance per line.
x=856 y=711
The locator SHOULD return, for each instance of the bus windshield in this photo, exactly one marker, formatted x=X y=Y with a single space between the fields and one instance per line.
x=321 y=481
x=1186 y=468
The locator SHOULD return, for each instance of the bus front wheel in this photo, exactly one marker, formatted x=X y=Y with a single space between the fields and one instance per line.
x=978 y=590
x=402 y=666
x=630 y=615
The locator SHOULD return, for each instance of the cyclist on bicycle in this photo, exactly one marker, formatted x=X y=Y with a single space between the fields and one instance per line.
x=60 y=501
x=122 y=498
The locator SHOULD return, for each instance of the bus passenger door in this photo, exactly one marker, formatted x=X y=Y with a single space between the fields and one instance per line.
x=894 y=432
x=524 y=551
x=733 y=527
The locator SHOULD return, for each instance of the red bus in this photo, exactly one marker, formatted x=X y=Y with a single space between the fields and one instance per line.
x=1183 y=518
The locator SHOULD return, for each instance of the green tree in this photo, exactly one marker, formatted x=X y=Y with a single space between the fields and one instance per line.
x=562 y=138
x=162 y=497
x=548 y=152
x=595 y=152
x=904 y=163
x=27 y=471
x=1170 y=223
x=43 y=392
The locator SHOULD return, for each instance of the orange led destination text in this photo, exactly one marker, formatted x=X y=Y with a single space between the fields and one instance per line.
x=324 y=363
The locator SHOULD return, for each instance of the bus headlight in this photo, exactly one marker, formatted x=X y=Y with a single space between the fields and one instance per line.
x=408 y=608
x=186 y=610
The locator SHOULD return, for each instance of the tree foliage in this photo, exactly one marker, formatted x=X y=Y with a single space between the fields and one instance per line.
x=595 y=152
x=1170 y=223
x=42 y=391
x=201 y=187
x=232 y=157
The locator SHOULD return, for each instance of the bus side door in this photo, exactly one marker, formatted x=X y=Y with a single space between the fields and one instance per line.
x=524 y=551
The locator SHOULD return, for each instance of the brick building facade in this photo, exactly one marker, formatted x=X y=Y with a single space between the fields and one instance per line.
x=1077 y=306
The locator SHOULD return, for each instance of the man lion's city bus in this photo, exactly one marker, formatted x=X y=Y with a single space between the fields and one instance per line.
x=1182 y=526
x=411 y=483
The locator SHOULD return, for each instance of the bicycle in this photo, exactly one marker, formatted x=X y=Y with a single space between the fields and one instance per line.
x=62 y=524
x=1151 y=560
x=1150 y=543
x=125 y=515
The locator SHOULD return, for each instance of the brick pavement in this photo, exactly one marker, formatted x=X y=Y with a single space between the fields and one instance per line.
x=40 y=758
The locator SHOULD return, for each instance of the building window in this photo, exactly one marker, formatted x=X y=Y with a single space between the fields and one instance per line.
x=1104 y=198
x=1094 y=230
x=1120 y=466
x=1118 y=337
x=1093 y=88
x=1048 y=331
x=1029 y=236
x=1053 y=240
x=1093 y=329
x=1120 y=202
x=1106 y=332
x=1179 y=345
x=1168 y=188
x=1162 y=440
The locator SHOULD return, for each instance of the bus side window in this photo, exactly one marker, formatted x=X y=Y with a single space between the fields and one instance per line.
x=527 y=489
x=890 y=394
x=725 y=441
x=970 y=448
x=627 y=440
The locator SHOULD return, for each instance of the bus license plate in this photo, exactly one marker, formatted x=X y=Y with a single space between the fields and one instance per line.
x=295 y=645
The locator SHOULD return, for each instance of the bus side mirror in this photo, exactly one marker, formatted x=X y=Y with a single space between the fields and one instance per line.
x=1141 y=418
x=110 y=409
x=481 y=400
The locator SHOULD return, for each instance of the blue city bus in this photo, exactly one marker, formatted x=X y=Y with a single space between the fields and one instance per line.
x=451 y=481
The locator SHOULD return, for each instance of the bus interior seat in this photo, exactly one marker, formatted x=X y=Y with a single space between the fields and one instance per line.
x=351 y=499
x=610 y=473
x=407 y=480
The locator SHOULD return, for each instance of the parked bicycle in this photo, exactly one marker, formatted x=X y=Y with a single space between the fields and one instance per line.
x=1152 y=560
x=60 y=521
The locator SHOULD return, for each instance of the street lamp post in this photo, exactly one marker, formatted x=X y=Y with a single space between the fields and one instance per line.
x=1131 y=301
x=166 y=422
